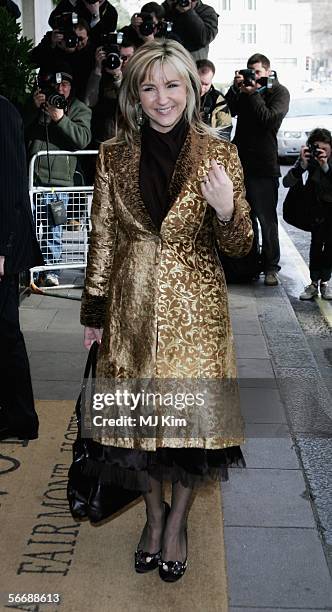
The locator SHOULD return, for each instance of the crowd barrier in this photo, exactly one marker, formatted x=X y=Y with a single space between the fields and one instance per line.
x=64 y=247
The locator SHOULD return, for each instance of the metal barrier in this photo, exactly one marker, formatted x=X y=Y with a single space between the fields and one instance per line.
x=64 y=247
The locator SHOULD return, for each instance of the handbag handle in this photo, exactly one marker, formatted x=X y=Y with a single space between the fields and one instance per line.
x=91 y=366
x=91 y=363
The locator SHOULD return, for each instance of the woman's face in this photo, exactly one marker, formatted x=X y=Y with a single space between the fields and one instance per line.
x=163 y=96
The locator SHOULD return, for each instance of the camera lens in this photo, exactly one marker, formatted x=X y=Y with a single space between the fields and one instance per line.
x=57 y=100
x=112 y=61
x=71 y=40
x=146 y=28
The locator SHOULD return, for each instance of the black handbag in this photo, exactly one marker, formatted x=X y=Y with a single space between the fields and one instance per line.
x=87 y=495
x=299 y=206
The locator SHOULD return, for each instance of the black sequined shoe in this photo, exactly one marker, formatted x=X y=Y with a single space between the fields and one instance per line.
x=145 y=561
x=171 y=571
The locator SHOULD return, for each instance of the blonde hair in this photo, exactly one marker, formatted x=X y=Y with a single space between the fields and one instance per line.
x=162 y=52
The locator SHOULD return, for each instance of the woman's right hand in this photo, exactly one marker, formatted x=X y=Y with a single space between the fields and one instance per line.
x=91 y=335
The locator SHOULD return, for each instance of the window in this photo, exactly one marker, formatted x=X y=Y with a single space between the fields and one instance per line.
x=248 y=33
x=286 y=33
x=251 y=5
x=226 y=5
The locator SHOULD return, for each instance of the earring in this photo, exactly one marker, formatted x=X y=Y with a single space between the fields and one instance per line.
x=139 y=115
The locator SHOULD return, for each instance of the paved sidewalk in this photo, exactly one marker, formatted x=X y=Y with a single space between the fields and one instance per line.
x=276 y=557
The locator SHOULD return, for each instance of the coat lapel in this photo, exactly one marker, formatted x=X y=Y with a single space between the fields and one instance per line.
x=126 y=169
x=192 y=153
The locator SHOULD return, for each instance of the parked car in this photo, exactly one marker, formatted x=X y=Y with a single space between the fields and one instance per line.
x=305 y=113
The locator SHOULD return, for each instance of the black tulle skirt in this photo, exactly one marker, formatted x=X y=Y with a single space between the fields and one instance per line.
x=132 y=468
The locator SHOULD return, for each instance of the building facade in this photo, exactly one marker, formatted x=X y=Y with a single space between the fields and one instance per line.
x=279 y=29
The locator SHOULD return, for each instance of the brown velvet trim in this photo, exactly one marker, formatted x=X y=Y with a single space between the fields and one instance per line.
x=93 y=310
x=192 y=153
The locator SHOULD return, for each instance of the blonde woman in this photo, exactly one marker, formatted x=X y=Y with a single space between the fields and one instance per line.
x=155 y=296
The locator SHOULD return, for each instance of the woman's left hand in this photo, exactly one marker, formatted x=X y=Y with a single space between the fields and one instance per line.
x=217 y=190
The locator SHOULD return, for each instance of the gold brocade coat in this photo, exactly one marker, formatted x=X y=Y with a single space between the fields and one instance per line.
x=161 y=296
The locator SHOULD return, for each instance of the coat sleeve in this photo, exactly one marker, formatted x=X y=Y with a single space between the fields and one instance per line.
x=235 y=238
x=74 y=130
x=232 y=99
x=270 y=112
x=102 y=244
x=197 y=28
x=293 y=175
x=91 y=96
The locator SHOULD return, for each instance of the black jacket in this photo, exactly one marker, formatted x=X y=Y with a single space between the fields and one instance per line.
x=196 y=28
x=259 y=117
x=18 y=242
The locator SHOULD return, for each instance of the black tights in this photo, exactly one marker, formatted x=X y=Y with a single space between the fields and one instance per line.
x=170 y=539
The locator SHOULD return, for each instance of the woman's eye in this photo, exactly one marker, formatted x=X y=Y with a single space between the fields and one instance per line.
x=173 y=85
x=147 y=88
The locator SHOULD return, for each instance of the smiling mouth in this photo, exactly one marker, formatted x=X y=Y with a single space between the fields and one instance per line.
x=164 y=111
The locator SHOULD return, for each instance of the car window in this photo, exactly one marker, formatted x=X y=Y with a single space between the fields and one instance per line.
x=301 y=107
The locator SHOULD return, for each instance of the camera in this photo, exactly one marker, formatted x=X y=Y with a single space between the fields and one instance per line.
x=249 y=75
x=65 y=23
x=91 y=1
x=183 y=3
x=147 y=27
x=268 y=81
x=313 y=150
x=45 y=84
x=110 y=43
x=164 y=27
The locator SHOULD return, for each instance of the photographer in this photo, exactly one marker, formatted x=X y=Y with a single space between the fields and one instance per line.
x=103 y=88
x=149 y=24
x=195 y=23
x=69 y=43
x=260 y=104
x=214 y=109
x=99 y=14
x=316 y=158
x=55 y=123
